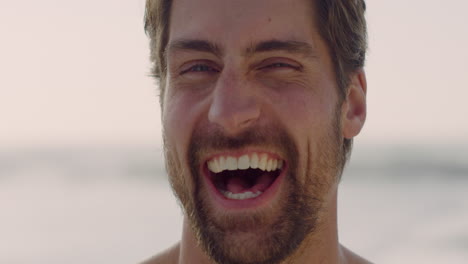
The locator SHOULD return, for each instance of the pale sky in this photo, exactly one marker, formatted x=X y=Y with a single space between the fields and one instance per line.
x=77 y=72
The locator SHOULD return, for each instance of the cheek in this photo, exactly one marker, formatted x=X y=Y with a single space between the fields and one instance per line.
x=304 y=109
x=177 y=130
x=174 y=121
x=181 y=112
x=308 y=114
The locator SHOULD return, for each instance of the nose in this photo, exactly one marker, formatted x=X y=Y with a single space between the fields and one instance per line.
x=235 y=105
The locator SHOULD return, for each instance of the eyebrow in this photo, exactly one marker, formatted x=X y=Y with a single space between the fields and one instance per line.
x=289 y=46
x=195 y=45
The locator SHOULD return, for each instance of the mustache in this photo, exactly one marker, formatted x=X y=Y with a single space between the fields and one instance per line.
x=214 y=138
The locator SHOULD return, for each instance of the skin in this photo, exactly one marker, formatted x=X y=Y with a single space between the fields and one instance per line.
x=240 y=86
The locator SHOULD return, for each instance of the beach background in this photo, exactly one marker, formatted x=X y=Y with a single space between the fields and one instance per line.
x=81 y=165
x=113 y=205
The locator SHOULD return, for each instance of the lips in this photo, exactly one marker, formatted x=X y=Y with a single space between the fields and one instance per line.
x=246 y=177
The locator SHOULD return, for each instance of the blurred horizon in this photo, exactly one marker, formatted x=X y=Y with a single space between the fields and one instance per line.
x=114 y=205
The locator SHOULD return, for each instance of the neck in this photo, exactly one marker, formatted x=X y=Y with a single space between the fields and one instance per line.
x=190 y=250
x=321 y=246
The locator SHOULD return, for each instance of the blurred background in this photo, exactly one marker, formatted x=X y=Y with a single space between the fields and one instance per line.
x=81 y=168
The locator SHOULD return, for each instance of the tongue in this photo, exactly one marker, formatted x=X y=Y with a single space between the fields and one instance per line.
x=236 y=185
x=240 y=185
x=263 y=182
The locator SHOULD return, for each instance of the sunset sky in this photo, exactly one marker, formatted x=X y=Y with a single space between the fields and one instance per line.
x=75 y=72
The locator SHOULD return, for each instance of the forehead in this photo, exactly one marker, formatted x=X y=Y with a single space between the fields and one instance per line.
x=242 y=22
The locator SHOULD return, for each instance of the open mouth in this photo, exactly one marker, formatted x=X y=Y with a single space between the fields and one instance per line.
x=245 y=177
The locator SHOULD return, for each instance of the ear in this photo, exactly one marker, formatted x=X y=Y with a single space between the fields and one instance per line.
x=354 y=106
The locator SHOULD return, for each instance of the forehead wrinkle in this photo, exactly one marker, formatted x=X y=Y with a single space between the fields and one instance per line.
x=197 y=45
x=290 y=46
x=295 y=47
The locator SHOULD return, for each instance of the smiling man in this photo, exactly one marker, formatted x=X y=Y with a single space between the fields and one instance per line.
x=260 y=102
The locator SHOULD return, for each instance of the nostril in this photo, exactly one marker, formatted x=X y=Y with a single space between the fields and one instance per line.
x=246 y=122
x=234 y=113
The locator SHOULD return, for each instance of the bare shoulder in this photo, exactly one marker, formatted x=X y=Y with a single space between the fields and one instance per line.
x=168 y=256
x=353 y=258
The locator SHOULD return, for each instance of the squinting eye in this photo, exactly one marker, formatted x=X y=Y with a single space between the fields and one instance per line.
x=199 y=68
x=281 y=65
x=276 y=65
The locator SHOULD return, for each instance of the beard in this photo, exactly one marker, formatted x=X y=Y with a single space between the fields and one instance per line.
x=267 y=235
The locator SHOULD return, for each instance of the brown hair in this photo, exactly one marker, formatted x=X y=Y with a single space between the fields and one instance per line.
x=341 y=24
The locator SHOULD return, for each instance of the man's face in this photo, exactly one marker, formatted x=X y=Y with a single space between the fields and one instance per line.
x=252 y=125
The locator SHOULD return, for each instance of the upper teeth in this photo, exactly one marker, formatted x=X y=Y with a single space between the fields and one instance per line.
x=255 y=161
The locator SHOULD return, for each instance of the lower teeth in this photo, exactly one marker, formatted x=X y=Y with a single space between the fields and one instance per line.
x=240 y=196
